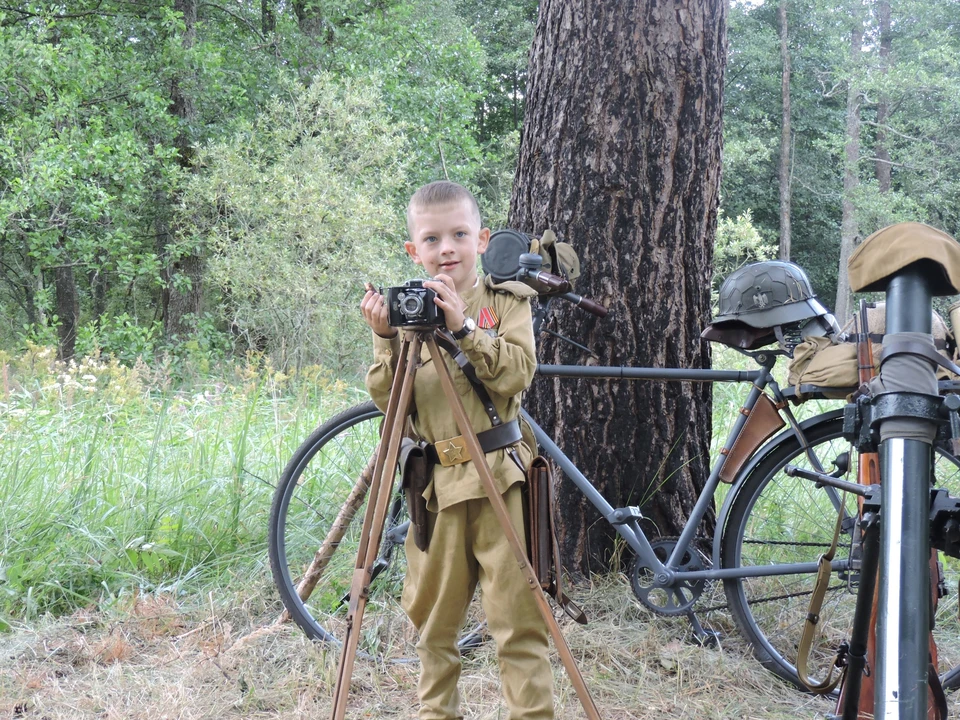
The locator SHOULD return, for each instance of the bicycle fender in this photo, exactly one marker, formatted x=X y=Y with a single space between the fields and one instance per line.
x=785 y=436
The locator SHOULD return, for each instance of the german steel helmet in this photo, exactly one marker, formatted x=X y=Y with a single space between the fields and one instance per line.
x=760 y=297
x=767 y=294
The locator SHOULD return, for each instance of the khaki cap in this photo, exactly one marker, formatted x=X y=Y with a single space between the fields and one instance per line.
x=894 y=247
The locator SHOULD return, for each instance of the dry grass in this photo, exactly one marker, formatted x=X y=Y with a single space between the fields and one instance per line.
x=154 y=659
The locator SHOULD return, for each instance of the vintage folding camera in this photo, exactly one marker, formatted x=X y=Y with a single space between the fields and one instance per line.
x=411 y=305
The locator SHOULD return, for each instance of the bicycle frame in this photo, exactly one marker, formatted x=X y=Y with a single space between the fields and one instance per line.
x=626 y=520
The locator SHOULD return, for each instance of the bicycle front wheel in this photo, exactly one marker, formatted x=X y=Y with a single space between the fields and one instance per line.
x=315 y=527
x=776 y=519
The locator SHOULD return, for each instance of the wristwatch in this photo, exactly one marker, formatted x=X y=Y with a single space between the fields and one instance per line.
x=469 y=325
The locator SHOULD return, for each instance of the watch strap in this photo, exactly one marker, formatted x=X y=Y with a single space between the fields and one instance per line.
x=468 y=327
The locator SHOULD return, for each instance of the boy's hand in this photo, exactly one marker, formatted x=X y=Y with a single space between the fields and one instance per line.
x=374 y=309
x=448 y=300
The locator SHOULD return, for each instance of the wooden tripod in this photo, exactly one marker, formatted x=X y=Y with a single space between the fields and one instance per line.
x=378 y=500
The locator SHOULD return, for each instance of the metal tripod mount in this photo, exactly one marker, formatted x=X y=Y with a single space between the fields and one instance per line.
x=378 y=500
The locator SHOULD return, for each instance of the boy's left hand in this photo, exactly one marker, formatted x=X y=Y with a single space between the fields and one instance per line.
x=448 y=300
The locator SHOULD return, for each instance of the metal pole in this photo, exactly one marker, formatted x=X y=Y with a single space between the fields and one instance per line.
x=903 y=620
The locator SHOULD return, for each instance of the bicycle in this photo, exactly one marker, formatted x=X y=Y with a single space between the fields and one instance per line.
x=770 y=530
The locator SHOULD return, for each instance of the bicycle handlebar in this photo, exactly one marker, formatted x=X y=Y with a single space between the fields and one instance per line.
x=556 y=285
x=585 y=303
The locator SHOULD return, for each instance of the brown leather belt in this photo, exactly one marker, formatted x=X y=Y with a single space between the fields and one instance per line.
x=454 y=450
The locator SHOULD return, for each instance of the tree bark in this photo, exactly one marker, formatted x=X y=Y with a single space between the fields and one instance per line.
x=268 y=16
x=183 y=271
x=67 y=302
x=785 y=135
x=849 y=231
x=882 y=155
x=309 y=19
x=620 y=156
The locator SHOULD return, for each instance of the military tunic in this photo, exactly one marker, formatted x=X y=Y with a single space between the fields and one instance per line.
x=467 y=546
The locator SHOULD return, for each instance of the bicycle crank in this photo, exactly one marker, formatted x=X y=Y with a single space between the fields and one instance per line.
x=678 y=598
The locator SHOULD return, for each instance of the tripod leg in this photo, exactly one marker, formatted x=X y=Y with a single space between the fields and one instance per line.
x=500 y=509
x=378 y=501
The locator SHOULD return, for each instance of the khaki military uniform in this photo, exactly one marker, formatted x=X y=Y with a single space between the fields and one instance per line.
x=467 y=545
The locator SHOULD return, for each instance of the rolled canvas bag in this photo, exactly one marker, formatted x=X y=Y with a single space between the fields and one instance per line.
x=822 y=362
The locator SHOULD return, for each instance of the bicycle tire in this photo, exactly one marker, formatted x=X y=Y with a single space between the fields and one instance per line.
x=309 y=501
x=777 y=518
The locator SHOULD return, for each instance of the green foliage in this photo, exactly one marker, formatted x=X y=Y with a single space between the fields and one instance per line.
x=296 y=209
x=109 y=484
x=921 y=133
x=122 y=337
x=93 y=152
x=752 y=119
x=738 y=243
x=75 y=166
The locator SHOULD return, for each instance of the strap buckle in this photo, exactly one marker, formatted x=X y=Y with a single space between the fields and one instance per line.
x=452 y=451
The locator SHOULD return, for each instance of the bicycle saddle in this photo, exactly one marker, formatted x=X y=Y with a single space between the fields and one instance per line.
x=895 y=247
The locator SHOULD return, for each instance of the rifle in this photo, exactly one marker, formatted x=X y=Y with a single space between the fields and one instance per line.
x=859 y=677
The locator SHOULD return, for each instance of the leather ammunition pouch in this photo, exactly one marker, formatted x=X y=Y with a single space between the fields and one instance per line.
x=762 y=422
x=415 y=471
x=543 y=549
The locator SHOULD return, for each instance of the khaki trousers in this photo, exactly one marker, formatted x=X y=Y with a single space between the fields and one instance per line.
x=467 y=546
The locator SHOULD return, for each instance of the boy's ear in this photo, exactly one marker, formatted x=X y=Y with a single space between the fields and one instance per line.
x=483 y=239
x=411 y=249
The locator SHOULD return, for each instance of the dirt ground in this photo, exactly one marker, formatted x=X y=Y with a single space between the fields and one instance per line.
x=153 y=658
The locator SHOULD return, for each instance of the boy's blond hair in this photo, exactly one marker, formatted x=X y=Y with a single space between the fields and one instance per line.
x=439 y=193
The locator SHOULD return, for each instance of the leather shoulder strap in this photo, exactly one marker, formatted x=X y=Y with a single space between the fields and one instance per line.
x=910 y=347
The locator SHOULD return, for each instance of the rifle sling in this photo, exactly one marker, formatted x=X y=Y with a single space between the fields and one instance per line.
x=824 y=572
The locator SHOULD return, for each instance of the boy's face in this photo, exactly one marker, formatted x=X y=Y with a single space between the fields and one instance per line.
x=446 y=239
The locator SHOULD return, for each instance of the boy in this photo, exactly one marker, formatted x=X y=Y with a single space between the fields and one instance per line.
x=467 y=546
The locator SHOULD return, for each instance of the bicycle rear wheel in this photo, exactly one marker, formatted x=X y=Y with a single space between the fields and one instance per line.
x=777 y=519
x=315 y=526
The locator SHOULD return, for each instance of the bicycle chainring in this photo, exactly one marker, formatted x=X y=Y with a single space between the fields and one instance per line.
x=678 y=598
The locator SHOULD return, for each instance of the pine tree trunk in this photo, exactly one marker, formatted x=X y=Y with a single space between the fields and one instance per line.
x=882 y=155
x=785 y=133
x=849 y=232
x=621 y=157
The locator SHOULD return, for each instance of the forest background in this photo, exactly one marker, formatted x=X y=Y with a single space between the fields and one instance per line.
x=192 y=195
x=203 y=180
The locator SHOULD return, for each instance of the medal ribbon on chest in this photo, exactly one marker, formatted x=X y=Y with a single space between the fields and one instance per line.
x=487 y=319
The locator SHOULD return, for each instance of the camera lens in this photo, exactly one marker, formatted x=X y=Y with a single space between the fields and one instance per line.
x=411 y=305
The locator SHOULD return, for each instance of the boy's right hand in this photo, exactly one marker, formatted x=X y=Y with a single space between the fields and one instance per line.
x=374 y=309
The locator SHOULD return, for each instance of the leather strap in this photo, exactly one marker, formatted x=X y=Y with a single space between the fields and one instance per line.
x=824 y=571
x=445 y=340
x=939 y=697
x=911 y=347
x=574 y=611
x=495 y=438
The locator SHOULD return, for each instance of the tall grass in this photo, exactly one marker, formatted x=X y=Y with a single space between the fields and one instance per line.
x=112 y=479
